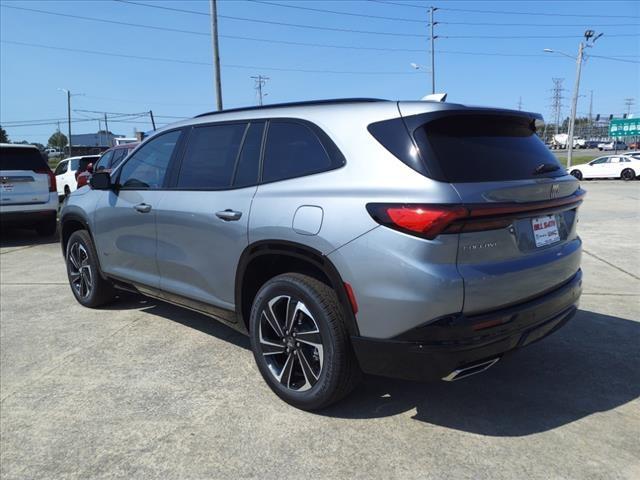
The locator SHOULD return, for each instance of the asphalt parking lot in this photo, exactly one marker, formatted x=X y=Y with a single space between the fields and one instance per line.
x=143 y=389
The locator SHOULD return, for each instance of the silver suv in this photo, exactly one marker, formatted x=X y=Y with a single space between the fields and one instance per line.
x=420 y=240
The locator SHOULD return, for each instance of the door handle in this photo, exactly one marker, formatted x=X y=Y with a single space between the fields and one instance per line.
x=143 y=208
x=229 y=215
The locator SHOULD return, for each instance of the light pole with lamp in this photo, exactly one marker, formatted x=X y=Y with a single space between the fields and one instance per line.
x=590 y=38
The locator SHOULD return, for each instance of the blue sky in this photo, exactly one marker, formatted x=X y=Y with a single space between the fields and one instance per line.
x=31 y=76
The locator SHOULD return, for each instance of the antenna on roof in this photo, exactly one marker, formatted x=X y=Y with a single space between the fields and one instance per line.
x=434 y=97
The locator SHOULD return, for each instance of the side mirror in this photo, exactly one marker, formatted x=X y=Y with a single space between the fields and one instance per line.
x=90 y=168
x=101 y=181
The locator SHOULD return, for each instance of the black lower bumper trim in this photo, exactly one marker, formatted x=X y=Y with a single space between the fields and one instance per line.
x=437 y=349
x=28 y=218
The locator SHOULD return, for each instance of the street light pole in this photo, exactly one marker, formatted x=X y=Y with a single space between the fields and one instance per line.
x=574 y=104
x=590 y=38
x=216 y=54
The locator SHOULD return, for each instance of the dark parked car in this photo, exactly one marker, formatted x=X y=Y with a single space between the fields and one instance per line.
x=108 y=161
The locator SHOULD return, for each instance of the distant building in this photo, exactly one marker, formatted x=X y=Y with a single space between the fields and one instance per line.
x=91 y=143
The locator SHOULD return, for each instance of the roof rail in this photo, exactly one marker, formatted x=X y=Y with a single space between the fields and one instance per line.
x=295 y=104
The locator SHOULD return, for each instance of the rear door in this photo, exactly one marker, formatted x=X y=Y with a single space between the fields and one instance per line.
x=25 y=178
x=521 y=238
x=203 y=218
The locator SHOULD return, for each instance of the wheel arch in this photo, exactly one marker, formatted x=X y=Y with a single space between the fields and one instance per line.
x=265 y=259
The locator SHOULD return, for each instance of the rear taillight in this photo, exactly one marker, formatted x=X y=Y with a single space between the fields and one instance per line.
x=428 y=221
x=51 y=178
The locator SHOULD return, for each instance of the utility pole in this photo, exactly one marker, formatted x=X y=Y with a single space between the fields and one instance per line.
x=574 y=104
x=69 y=118
x=590 y=38
x=216 y=53
x=106 y=127
x=520 y=103
x=260 y=80
x=153 y=122
x=433 y=61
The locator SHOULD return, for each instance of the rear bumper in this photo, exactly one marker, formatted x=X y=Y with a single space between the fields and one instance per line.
x=27 y=218
x=454 y=342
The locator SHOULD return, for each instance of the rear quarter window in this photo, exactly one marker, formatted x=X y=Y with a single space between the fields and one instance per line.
x=293 y=150
x=16 y=158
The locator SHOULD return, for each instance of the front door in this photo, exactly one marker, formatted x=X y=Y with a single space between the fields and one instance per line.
x=125 y=217
x=203 y=218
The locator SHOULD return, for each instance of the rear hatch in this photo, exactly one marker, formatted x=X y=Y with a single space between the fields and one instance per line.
x=25 y=178
x=517 y=239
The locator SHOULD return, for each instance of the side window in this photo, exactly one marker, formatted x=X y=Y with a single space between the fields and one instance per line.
x=118 y=156
x=104 y=161
x=598 y=161
x=147 y=168
x=74 y=163
x=210 y=157
x=61 y=168
x=248 y=166
x=292 y=150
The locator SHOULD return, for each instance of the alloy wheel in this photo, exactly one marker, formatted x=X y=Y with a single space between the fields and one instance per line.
x=291 y=343
x=80 y=270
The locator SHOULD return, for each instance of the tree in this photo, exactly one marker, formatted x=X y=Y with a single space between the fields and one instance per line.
x=4 y=138
x=57 y=140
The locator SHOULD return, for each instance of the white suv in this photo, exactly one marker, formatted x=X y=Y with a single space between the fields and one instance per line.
x=28 y=196
x=68 y=170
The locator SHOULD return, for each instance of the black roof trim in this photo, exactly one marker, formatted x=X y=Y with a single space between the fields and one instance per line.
x=295 y=104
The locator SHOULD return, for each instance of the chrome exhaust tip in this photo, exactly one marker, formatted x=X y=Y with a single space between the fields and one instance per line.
x=470 y=370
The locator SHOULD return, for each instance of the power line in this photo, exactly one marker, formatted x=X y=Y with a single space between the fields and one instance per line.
x=267 y=40
x=322 y=10
x=614 y=58
x=273 y=22
x=367 y=32
x=191 y=62
x=503 y=12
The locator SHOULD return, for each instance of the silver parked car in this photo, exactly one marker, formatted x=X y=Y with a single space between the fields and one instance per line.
x=420 y=240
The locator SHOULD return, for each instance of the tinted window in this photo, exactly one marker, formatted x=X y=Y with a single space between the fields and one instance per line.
x=17 y=158
x=211 y=156
x=249 y=162
x=483 y=148
x=118 y=156
x=104 y=162
x=600 y=160
x=292 y=150
x=147 y=168
x=61 y=168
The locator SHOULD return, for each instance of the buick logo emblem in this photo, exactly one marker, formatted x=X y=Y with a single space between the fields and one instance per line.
x=555 y=191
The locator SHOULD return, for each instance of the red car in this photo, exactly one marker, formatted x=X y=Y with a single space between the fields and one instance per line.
x=107 y=162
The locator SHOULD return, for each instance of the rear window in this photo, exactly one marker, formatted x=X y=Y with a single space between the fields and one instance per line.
x=468 y=147
x=484 y=148
x=16 y=158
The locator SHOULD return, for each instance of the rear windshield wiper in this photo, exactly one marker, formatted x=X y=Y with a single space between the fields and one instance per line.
x=545 y=167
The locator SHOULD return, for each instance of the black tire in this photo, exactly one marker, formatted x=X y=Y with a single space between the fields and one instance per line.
x=577 y=174
x=628 y=174
x=331 y=371
x=88 y=285
x=47 y=227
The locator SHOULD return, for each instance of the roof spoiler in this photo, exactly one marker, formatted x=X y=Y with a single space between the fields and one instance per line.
x=435 y=97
